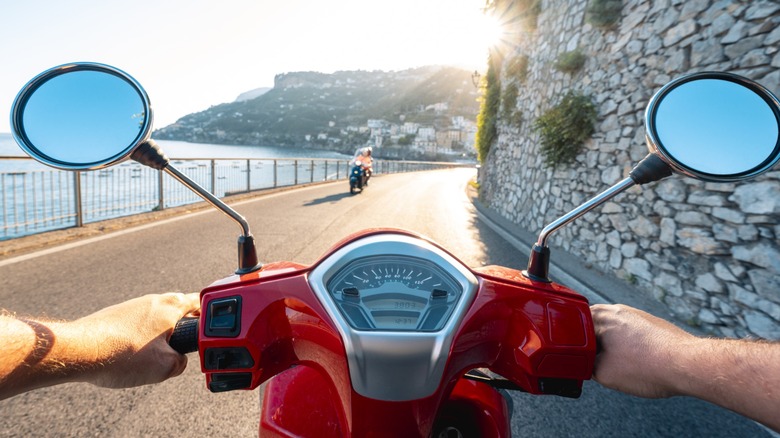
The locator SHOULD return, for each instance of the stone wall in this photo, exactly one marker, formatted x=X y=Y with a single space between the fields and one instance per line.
x=708 y=251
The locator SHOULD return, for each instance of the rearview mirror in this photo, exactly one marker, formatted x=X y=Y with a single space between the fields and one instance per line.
x=81 y=116
x=714 y=127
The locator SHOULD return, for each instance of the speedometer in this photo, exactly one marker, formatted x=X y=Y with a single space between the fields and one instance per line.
x=397 y=301
x=394 y=292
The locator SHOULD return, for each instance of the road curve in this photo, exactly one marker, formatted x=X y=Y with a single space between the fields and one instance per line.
x=297 y=225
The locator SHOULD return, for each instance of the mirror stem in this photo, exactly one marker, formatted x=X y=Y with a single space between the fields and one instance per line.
x=151 y=155
x=584 y=208
x=208 y=197
x=650 y=169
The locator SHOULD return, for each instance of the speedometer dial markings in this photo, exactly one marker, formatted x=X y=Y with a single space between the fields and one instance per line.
x=394 y=293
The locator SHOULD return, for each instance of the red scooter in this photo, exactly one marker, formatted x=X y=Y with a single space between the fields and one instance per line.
x=388 y=334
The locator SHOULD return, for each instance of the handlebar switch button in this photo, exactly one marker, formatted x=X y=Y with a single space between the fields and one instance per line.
x=227 y=358
x=221 y=382
x=223 y=317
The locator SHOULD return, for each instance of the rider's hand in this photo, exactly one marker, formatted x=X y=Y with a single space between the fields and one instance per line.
x=635 y=350
x=134 y=348
x=117 y=347
x=646 y=356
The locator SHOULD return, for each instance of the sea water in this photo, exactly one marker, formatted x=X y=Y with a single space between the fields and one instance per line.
x=35 y=198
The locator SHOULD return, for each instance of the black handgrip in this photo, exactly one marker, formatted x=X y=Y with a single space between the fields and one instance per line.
x=185 y=336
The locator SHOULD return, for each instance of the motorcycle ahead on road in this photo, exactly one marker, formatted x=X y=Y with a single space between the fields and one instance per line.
x=357 y=178
x=382 y=335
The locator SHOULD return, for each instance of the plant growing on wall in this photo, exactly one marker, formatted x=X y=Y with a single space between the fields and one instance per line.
x=604 y=13
x=570 y=62
x=565 y=127
x=513 y=12
x=488 y=111
x=509 y=111
x=517 y=68
x=529 y=12
x=509 y=100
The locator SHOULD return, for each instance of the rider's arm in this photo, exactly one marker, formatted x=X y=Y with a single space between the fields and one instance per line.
x=117 y=347
x=649 y=357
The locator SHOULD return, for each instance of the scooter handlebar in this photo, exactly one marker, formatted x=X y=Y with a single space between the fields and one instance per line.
x=184 y=338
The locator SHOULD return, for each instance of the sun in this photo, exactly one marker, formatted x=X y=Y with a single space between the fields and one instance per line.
x=488 y=31
x=474 y=33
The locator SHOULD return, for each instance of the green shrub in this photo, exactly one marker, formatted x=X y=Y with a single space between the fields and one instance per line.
x=518 y=68
x=509 y=112
x=517 y=12
x=529 y=12
x=604 y=13
x=570 y=62
x=488 y=111
x=565 y=127
x=509 y=100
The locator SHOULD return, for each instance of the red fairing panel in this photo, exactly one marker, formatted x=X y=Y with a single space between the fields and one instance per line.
x=524 y=331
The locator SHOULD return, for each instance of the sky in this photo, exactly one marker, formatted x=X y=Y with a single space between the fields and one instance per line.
x=192 y=54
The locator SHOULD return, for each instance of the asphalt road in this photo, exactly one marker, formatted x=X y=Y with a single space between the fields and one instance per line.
x=297 y=225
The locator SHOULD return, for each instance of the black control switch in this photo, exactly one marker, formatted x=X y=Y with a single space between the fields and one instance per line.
x=227 y=358
x=223 y=317
x=229 y=381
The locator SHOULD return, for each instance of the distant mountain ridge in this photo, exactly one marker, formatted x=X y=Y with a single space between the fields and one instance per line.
x=310 y=109
x=252 y=94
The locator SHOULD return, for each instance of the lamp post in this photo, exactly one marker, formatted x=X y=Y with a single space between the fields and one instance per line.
x=475 y=77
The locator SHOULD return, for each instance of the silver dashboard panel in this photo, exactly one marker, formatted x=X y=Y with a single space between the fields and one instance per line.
x=394 y=365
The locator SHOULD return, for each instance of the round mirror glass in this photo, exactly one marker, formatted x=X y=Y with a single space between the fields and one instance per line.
x=715 y=127
x=81 y=117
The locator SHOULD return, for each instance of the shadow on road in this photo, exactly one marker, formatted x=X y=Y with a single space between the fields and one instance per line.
x=326 y=199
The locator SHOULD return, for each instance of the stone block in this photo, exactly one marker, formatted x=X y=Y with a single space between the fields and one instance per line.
x=736 y=32
x=725 y=233
x=705 y=198
x=758 y=198
x=762 y=254
x=629 y=249
x=766 y=284
x=707 y=316
x=638 y=267
x=722 y=271
x=762 y=325
x=744 y=45
x=669 y=283
x=668 y=229
x=743 y=296
x=761 y=10
x=671 y=190
x=693 y=218
x=722 y=23
x=615 y=258
x=700 y=241
x=709 y=283
x=643 y=227
x=727 y=214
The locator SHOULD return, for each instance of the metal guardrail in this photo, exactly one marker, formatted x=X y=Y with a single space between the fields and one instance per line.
x=34 y=201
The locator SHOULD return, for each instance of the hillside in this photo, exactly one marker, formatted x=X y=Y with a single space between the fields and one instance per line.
x=309 y=109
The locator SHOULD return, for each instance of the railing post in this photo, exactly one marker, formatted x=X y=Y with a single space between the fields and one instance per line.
x=213 y=177
x=337 y=168
x=326 y=170
x=311 y=176
x=275 y=162
x=77 y=198
x=248 y=176
x=160 y=191
x=296 y=172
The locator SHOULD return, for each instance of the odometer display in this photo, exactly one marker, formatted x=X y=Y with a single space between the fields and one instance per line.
x=394 y=292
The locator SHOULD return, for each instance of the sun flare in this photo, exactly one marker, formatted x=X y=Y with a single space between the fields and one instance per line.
x=488 y=31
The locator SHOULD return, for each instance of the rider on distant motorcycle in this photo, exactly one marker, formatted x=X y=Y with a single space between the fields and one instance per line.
x=363 y=157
